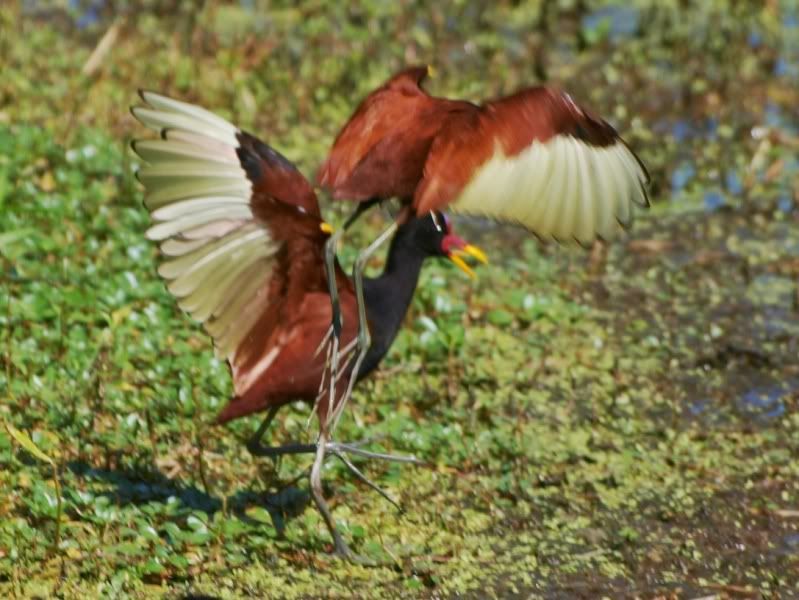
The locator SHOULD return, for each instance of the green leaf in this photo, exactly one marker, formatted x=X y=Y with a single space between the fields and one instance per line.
x=11 y=237
x=259 y=514
x=500 y=317
x=27 y=443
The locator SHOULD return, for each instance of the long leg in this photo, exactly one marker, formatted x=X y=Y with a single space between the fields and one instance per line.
x=255 y=447
x=332 y=286
x=341 y=547
x=330 y=271
x=346 y=354
x=274 y=451
x=366 y=480
x=334 y=447
x=255 y=441
x=364 y=339
x=330 y=260
x=354 y=449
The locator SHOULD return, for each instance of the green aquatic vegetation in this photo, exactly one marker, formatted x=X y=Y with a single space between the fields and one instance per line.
x=613 y=423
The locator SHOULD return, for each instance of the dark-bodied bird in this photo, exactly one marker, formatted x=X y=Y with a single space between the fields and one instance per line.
x=243 y=241
x=534 y=158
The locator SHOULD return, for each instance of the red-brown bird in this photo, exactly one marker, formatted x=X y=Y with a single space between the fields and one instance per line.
x=534 y=158
x=243 y=240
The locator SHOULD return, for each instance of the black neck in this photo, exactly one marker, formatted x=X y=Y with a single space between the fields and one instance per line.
x=388 y=296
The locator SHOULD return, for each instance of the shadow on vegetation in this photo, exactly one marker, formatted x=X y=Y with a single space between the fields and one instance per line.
x=139 y=487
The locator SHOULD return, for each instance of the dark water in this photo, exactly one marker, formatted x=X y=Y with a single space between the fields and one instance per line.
x=766 y=402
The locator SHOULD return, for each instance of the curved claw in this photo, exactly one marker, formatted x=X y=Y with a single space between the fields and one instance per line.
x=321 y=448
x=359 y=443
x=367 y=481
x=354 y=449
x=343 y=552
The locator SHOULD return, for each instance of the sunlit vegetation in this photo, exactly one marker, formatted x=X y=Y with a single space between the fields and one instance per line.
x=619 y=422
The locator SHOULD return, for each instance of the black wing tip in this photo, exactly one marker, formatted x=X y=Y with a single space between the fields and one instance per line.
x=622 y=224
x=250 y=163
x=133 y=146
x=647 y=202
x=251 y=144
x=142 y=93
x=647 y=176
x=582 y=244
x=133 y=109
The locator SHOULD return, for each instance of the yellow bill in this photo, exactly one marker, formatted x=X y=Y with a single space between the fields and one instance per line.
x=456 y=256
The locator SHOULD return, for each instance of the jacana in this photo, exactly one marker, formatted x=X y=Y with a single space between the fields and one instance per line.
x=535 y=158
x=243 y=243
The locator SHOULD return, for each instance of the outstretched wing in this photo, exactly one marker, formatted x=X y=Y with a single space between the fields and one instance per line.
x=237 y=223
x=381 y=150
x=537 y=159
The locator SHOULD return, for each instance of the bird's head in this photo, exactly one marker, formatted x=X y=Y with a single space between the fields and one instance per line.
x=433 y=234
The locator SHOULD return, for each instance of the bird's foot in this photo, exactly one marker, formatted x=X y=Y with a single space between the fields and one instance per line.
x=341 y=450
x=336 y=358
x=355 y=448
x=342 y=551
x=357 y=472
x=337 y=361
x=256 y=448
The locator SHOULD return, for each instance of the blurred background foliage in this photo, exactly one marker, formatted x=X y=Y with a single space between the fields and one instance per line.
x=687 y=81
x=617 y=422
